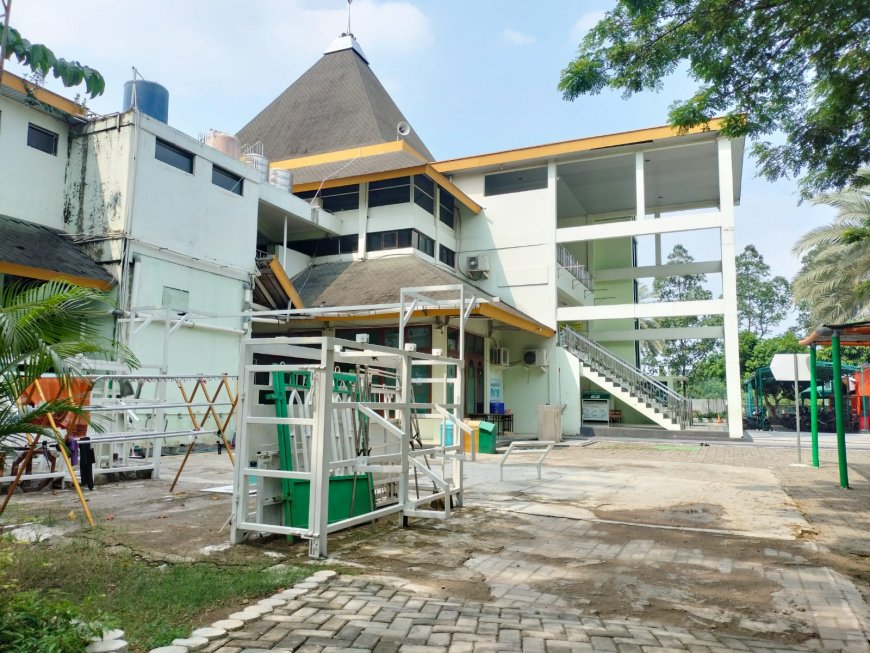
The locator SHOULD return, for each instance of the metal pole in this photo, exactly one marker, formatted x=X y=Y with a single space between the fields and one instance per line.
x=284 y=247
x=814 y=407
x=797 y=411
x=838 y=410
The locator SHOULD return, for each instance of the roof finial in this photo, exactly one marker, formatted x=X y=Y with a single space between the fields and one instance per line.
x=349 y=33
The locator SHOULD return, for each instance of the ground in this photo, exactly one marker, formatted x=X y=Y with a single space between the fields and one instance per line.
x=620 y=546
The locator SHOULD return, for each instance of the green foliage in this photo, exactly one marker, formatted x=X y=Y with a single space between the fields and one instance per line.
x=834 y=280
x=41 y=60
x=768 y=65
x=763 y=301
x=43 y=329
x=757 y=352
x=36 y=621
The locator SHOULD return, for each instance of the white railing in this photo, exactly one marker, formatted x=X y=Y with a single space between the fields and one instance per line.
x=567 y=260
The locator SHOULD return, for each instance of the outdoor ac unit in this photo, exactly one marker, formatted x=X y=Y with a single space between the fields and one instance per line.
x=535 y=357
x=477 y=266
x=499 y=356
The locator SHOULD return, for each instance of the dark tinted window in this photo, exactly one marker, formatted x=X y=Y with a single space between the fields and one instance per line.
x=226 y=179
x=174 y=156
x=515 y=181
x=425 y=244
x=446 y=208
x=447 y=256
x=424 y=193
x=390 y=191
x=340 y=198
x=42 y=139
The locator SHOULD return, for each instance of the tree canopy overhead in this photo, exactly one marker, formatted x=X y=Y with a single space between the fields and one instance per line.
x=802 y=68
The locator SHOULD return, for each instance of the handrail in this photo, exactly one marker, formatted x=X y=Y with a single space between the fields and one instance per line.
x=671 y=404
x=574 y=267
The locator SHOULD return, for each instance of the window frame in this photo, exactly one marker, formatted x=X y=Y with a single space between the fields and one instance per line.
x=238 y=188
x=180 y=152
x=42 y=131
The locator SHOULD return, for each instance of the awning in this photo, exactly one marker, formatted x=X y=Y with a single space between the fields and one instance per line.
x=855 y=334
x=37 y=252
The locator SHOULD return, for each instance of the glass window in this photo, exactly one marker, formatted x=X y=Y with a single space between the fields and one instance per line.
x=176 y=299
x=390 y=191
x=515 y=181
x=447 y=256
x=340 y=198
x=174 y=156
x=227 y=180
x=424 y=243
x=446 y=208
x=424 y=193
x=42 y=139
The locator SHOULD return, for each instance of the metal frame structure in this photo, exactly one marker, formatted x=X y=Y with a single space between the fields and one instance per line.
x=323 y=420
x=520 y=447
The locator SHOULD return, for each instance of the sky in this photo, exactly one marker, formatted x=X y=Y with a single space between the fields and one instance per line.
x=471 y=76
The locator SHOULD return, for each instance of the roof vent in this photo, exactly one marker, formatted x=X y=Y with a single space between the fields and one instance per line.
x=346 y=42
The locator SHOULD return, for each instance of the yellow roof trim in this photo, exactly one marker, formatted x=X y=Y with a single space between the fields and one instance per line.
x=45 y=96
x=49 y=275
x=567 y=147
x=426 y=169
x=504 y=316
x=285 y=283
x=389 y=147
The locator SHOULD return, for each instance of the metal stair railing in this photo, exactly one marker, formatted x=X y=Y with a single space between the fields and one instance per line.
x=651 y=392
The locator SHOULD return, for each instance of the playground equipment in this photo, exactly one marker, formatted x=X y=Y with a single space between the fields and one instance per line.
x=329 y=437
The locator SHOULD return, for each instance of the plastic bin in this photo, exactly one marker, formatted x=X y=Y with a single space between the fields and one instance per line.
x=447 y=433
x=487 y=437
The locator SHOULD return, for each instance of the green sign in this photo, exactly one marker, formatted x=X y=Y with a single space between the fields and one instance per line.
x=596 y=395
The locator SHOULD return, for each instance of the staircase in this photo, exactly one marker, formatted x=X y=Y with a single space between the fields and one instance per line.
x=643 y=393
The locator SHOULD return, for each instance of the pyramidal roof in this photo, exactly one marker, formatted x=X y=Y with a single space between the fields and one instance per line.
x=337 y=104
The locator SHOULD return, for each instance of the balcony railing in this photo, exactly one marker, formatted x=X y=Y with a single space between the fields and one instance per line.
x=566 y=259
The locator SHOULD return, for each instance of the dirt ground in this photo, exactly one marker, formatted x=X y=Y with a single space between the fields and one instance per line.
x=724 y=537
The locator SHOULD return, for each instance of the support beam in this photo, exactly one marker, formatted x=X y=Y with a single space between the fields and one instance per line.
x=639 y=187
x=814 y=406
x=631 y=228
x=837 y=382
x=729 y=290
x=675 y=333
x=647 y=271
x=631 y=311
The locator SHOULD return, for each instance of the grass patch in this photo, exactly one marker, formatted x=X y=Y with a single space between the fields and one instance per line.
x=153 y=603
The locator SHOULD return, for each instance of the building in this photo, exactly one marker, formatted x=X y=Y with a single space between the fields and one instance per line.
x=540 y=237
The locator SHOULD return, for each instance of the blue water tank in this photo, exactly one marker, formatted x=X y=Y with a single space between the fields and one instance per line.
x=150 y=98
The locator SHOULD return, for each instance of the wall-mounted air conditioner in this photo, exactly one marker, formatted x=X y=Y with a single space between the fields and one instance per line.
x=499 y=356
x=535 y=357
x=477 y=266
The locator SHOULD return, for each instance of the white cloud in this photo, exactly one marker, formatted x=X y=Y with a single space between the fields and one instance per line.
x=517 y=38
x=583 y=24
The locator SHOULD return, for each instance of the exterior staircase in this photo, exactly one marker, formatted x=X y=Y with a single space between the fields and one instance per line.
x=627 y=383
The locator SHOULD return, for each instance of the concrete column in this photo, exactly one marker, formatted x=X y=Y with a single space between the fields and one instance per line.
x=729 y=290
x=363 y=219
x=321 y=446
x=639 y=187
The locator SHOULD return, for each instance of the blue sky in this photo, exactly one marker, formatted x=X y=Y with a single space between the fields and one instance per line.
x=471 y=76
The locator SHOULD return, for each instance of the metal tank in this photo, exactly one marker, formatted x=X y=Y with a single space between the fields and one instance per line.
x=259 y=163
x=149 y=97
x=223 y=142
x=282 y=179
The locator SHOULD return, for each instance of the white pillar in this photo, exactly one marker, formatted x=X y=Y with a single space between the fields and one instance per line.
x=321 y=441
x=362 y=222
x=658 y=238
x=639 y=187
x=729 y=291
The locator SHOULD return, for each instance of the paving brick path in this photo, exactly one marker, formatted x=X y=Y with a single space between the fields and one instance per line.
x=356 y=614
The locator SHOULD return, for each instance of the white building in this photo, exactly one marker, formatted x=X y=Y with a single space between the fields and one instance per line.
x=541 y=236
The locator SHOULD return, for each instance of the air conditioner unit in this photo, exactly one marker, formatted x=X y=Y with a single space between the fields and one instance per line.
x=499 y=356
x=477 y=266
x=535 y=357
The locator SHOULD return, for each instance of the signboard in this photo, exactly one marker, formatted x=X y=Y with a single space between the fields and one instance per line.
x=595 y=395
x=782 y=367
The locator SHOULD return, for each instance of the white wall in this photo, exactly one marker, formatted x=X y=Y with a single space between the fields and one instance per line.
x=31 y=181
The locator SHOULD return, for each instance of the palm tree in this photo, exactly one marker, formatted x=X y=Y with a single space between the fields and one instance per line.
x=835 y=278
x=42 y=330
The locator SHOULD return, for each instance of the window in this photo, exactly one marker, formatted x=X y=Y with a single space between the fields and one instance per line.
x=176 y=299
x=424 y=193
x=424 y=243
x=226 y=179
x=340 y=198
x=390 y=191
x=447 y=256
x=326 y=246
x=515 y=181
x=446 y=208
x=174 y=156
x=42 y=139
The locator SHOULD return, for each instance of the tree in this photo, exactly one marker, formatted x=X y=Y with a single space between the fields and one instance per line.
x=834 y=281
x=43 y=61
x=763 y=301
x=42 y=330
x=679 y=357
x=791 y=66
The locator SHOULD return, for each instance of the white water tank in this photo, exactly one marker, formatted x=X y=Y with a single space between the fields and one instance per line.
x=259 y=163
x=223 y=142
x=282 y=179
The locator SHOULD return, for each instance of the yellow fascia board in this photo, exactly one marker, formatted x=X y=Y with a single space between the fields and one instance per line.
x=426 y=169
x=496 y=312
x=389 y=147
x=568 y=147
x=49 y=275
x=285 y=283
x=45 y=96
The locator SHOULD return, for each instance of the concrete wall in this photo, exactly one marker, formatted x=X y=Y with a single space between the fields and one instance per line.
x=31 y=181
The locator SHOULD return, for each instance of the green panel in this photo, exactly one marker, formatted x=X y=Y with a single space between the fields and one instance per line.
x=349 y=496
x=487 y=438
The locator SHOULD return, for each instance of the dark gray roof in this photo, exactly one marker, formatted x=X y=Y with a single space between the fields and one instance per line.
x=336 y=104
x=36 y=246
x=354 y=167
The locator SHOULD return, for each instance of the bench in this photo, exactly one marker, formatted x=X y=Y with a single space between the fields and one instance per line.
x=614 y=417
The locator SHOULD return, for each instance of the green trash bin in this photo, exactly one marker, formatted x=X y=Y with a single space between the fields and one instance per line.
x=487 y=441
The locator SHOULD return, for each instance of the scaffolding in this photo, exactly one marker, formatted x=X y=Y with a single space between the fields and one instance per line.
x=329 y=438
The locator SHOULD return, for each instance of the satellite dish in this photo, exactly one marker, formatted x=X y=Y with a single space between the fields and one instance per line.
x=402 y=129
